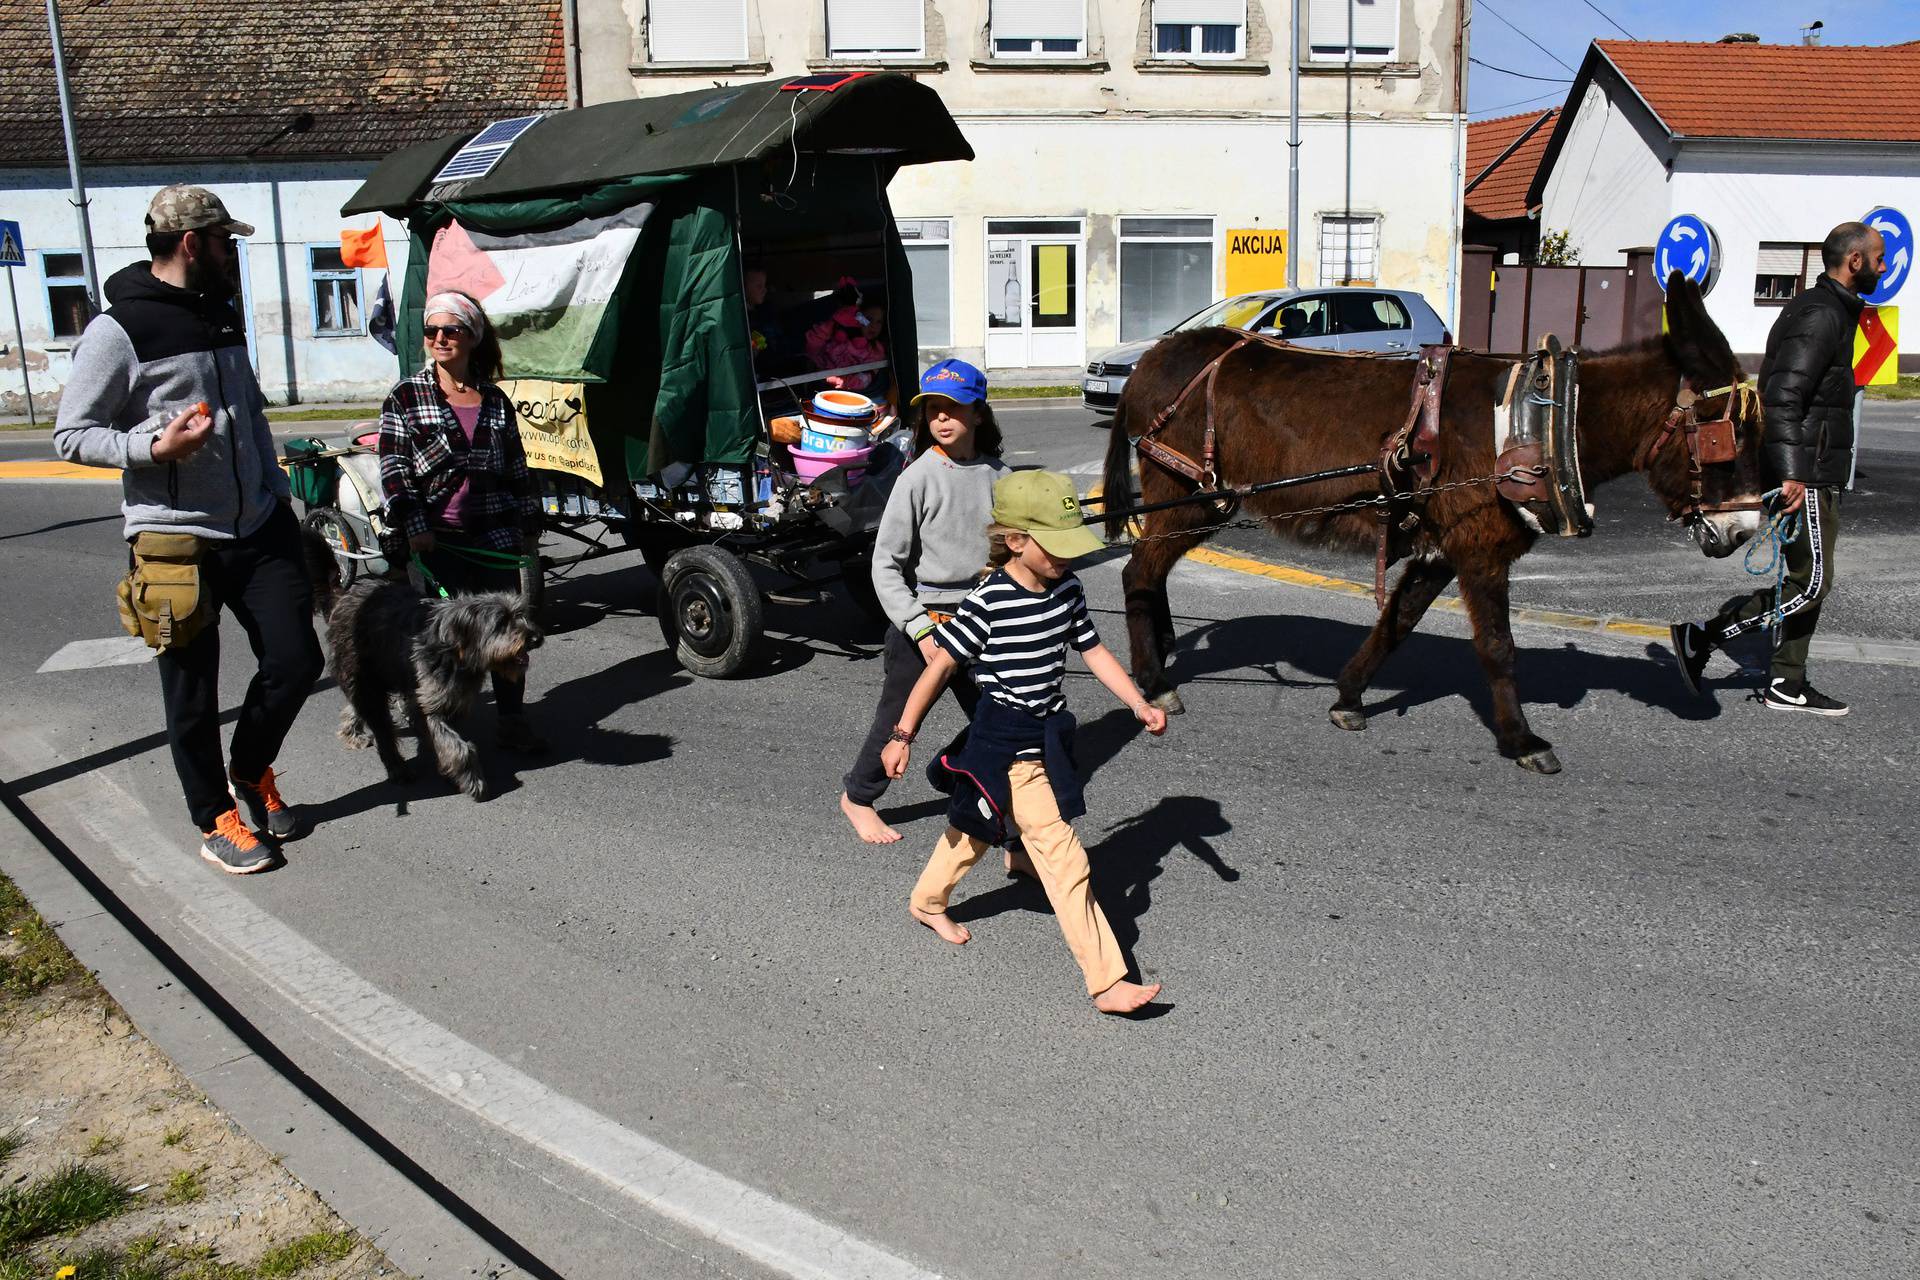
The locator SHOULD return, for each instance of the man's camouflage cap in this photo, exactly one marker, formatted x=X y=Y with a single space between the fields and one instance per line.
x=188 y=208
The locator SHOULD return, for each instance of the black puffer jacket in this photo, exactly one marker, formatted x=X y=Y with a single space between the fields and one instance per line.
x=1806 y=383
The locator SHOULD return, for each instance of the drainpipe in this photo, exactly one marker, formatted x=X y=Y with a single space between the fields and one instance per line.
x=286 y=294
x=1458 y=169
x=79 y=197
x=570 y=32
x=1293 y=157
x=1346 y=210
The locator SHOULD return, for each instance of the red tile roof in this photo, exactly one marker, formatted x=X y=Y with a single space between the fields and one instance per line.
x=1502 y=192
x=1855 y=93
x=187 y=80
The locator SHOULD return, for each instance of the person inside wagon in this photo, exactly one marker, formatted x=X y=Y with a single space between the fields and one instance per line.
x=851 y=336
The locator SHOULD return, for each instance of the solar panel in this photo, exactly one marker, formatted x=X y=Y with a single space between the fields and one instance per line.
x=478 y=157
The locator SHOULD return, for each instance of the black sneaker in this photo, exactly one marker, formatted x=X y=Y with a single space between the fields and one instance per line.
x=233 y=848
x=260 y=802
x=1691 y=645
x=1781 y=696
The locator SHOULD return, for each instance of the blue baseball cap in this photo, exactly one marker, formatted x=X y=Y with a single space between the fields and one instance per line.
x=956 y=380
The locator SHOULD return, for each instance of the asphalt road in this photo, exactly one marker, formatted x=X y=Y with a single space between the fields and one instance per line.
x=1430 y=1016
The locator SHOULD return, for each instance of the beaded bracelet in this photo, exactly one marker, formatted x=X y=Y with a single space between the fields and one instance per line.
x=899 y=735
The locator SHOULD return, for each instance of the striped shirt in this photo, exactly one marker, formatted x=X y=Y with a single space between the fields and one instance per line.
x=1014 y=641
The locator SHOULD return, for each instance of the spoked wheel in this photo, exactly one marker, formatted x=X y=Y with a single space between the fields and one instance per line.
x=709 y=610
x=331 y=529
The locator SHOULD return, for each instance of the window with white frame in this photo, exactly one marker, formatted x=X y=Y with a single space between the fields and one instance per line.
x=1783 y=269
x=1038 y=28
x=336 y=292
x=1166 y=273
x=1369 y=28
x=876 y=28
x=697 y=31
x=1349 y=248
x=65 y=275
x=1199 y=28
x=929 y=249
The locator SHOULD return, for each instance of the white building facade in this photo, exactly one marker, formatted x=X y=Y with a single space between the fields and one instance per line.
x=1630 y=155
x=1131 y=155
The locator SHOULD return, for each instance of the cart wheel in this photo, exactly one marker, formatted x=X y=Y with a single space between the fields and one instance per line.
x=709 y=610
x=329 y=527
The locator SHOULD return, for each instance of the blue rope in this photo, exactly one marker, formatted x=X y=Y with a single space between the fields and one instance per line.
x=1773 y=538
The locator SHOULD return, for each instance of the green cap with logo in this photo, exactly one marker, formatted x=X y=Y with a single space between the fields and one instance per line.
x=188 y=208
x=1044 y=505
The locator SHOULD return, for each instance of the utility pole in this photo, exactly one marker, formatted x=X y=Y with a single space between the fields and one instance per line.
x=1293 y=158
x=79 y=196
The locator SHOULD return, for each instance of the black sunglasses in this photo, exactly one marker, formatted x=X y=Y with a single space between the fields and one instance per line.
x=432 y=331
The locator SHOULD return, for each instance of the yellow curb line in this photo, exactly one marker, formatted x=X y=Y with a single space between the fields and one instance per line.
x=1346 y=586
x=55 y=471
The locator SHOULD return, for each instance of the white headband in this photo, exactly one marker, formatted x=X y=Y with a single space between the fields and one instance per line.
x=460 y=307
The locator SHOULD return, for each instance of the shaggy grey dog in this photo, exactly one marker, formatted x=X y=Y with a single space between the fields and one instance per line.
x=385 y=640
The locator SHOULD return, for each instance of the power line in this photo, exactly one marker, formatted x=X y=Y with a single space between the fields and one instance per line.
x=1524 y=36
x=1511 y=105
x=1609 y=17
x=1521 y=75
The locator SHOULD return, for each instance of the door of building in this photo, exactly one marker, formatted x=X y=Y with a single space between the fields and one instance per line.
x=1036 y=293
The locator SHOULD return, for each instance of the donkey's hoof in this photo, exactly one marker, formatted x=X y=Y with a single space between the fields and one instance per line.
x=1541 y=761
x=1170 y=703
x=1348 y=718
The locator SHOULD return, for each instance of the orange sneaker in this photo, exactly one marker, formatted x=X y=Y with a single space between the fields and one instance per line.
x=260 y=801
x=233 y=848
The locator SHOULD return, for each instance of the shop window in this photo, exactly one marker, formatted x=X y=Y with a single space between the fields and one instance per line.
x=65 y=275
x=930 y=255
x=712 y=31
x=1166 y=273
x=1369 y=29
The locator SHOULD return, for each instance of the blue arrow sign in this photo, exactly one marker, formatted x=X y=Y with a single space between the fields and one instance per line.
x=1688 y=245
x=1898 y=233
x=13 y=250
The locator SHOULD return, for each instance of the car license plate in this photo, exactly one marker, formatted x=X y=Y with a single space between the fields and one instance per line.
x=1093 y=385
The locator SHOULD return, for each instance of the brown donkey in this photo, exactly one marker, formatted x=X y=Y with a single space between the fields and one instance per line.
x=1281 y=412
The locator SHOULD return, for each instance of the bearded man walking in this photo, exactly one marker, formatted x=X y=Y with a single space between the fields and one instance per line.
x=1807 y=390
x=161 y=388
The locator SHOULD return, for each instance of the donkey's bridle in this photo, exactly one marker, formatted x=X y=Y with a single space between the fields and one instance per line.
x=1709 y=443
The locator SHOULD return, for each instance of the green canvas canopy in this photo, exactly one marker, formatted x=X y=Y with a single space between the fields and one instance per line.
x=606 y=242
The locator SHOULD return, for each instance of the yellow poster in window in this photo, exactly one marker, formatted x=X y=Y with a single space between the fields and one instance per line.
x=553 y=426
x=1256 y=259
x=1053 y=265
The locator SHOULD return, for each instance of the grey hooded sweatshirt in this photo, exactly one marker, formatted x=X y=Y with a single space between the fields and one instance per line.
x=157 y=350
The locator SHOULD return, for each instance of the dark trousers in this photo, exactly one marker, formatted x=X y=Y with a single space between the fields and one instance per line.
x=463 y=577
x=867 y=781
x=262 y=581
x=1810 y=577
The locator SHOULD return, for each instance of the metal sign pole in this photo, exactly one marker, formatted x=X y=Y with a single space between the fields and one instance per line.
x=79 y=197
x=19 y=336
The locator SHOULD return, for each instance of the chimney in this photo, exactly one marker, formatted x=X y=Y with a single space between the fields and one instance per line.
x=1810 y=34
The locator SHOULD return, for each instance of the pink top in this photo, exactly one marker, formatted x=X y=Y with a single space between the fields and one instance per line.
x=452 y=515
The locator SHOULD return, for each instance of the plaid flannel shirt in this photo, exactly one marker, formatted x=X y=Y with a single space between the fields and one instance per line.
x=424 y=456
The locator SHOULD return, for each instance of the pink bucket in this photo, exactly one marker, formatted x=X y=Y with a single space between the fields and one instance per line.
x=811 y=466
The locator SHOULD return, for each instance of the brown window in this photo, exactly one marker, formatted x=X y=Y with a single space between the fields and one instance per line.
x=1783 y=269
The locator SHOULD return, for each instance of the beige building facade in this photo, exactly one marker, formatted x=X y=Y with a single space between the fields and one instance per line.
x=1132 y=155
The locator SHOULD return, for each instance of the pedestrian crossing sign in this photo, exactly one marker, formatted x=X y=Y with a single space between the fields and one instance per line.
x=13 y=253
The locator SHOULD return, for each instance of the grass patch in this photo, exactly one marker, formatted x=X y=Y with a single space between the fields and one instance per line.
x=185 y=1187
x=308 y=1251
x=37 y=959
x=1904 y=389
x=103 y=1144
x=75 y=1197
x=1032 y=393
x=344 y=413
x=174 y=1137
x=10 y=1143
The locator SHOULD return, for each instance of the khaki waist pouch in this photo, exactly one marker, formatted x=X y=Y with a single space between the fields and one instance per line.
x=161 y=600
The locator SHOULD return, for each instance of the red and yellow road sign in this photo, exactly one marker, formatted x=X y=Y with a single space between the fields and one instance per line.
x=1876 y=347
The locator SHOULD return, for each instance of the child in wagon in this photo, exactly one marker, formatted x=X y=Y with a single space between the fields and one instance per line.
x=850 y=336
x=1016 y=774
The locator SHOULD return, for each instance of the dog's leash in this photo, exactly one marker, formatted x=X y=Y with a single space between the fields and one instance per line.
x=478 y=555
x=426 y=576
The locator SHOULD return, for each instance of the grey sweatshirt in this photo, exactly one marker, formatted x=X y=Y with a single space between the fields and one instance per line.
x=932 y=541
x=156 y=351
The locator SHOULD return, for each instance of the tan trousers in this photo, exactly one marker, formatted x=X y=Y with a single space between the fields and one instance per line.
x=1060 y=859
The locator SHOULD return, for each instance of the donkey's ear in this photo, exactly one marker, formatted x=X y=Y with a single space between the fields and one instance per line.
x=1698 y=344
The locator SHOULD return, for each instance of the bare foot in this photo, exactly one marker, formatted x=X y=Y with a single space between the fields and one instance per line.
x=1125 y=997
x=1019 y=864
x=949 y=928
x=866 y=822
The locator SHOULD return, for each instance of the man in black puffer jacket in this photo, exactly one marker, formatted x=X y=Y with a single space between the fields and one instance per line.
x=1806 y=385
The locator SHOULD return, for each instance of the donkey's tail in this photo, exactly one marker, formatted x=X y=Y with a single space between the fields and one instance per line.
x=1117 y=489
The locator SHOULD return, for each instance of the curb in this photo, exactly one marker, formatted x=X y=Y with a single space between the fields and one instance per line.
x=1836 y=648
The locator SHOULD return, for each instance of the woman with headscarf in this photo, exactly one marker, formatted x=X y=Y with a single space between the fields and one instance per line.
x=456 y=478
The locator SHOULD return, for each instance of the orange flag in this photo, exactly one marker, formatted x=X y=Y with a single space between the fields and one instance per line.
x=363 y=248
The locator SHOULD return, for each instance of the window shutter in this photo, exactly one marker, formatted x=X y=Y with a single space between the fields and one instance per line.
x=1039 y=20
x=1376 y=24
x=1200 y=13
x=697 y=30
x=886 y=26
x=1780 y=259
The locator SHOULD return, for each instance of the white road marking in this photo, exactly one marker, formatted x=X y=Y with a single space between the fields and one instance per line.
x=112 y=651
x=768 y=1231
